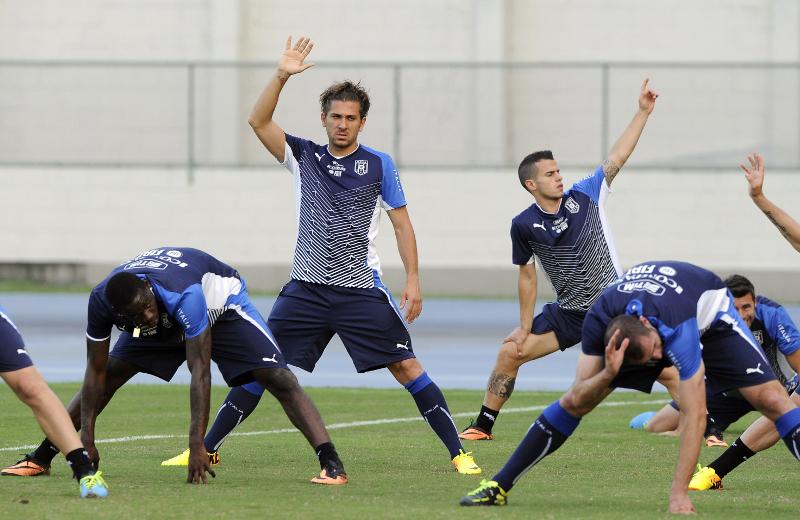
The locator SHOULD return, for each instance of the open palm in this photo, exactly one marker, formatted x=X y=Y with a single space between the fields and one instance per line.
x=293 y=58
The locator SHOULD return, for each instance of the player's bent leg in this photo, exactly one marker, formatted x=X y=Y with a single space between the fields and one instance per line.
x=771 y=400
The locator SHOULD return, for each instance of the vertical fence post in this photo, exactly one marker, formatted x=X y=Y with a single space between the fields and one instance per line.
x=190 y=122
x=604 y=116
x=397 y=109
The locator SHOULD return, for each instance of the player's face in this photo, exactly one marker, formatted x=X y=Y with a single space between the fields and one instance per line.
x=746 y=307
x=547 y=181
x=652 y=347
x=144 y=309
x=343 y=122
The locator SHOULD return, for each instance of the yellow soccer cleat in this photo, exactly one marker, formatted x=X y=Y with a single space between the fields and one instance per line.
x=489 y=493
x=705 y=479
x=465 y=464
x=183 y=459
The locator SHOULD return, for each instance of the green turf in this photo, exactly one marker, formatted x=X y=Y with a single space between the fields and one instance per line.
x=397 y=470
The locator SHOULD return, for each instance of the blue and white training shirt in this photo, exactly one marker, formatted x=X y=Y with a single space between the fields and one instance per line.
x=192 y=290
x=682 y=301
x=573 y=245
x=778 y=336
x=338 y=209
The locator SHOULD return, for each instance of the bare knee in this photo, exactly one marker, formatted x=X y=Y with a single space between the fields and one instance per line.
x=406 y=370
x=771 y=400
x=509 y=358
x=575 y=406
x=277 y=381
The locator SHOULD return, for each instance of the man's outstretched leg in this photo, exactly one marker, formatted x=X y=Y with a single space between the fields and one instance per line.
x=433 y=408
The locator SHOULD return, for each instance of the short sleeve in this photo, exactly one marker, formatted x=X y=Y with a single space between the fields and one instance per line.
x=521 y=250
x=293 y=152
x=592 y=334
x=682 y=347
x=191 y=311
x=782 y=330
x=592 y=185
x=99 y=320
x=391 y=189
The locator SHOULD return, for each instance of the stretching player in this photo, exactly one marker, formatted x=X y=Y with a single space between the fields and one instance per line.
x=659 y=312
x=178 y=304
x=17 y=370
x=779 y=339
x=569 y=234
x=335 y=285
x=788 y=227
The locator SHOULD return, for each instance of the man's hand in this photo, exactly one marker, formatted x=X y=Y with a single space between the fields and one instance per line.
x=411 y=299
x=647 y=98
x=91 y=449
x=293 y=58
x=518 y=337
x=681 y=504
x=754 y=174
x=199 y=465
x=615 y=353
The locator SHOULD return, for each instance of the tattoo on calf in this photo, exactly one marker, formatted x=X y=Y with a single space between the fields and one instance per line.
x=610 y=169
x=782 y=229
x=501 y=385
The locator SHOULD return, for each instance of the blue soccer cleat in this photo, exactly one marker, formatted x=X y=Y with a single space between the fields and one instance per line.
x=640 y=421
x=93 y=486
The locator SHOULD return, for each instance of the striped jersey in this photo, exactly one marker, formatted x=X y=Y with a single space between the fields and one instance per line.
x=573 y=245
x=339 y=201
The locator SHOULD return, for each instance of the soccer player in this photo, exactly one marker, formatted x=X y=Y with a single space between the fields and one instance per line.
x=335 y=285
x=569 y=234
x=176 y=304
x=778 y=337
x=17 y=370
x=754 y=174
x=659 y=312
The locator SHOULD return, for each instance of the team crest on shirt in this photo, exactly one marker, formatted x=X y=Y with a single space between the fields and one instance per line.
x=759 y=335
x=362 y=166
x=572 y=206
x=335 y=169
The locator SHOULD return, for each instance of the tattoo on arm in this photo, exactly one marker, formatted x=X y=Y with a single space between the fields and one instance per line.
x=610 y=169
x=501 y=385
x=781 y=228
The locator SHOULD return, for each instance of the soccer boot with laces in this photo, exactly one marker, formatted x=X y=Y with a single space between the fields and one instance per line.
x=332 y=474
x=473 y=433
x=94 y=486
x=27 y=467
x=489 y=493
x=183 y=459
x=705 y=478
x=465 y=464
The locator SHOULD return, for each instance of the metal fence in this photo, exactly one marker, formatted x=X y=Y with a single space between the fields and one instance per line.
x=192 y=115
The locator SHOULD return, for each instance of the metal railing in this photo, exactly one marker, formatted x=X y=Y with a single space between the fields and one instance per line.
x=189 y=115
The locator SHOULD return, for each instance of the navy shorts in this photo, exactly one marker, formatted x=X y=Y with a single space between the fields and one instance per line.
x=731 y=358
x=240 y=343
x=566 y=324
x=307 y=315
x=13 y=355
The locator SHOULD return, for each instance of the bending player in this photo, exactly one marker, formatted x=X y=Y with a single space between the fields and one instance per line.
x=779 y=339
x=335 y=285
x=659 y=312
x=754 y=174
x=178 y=304
x=569 y=234
x=17 y=370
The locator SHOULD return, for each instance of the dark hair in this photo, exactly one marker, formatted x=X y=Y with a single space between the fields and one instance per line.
x=527 y=168
x=740 y=286
x=122 y=289
x=345 y=91
x=632 y=329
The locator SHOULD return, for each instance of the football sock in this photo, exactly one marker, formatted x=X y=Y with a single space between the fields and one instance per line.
x=788 y=426
x=327 y=452
x=545 y=436
x=433 y=407
x=78 y=460
x=736 y=454
x=238 y=405
x=45 y=453
x=486 y=419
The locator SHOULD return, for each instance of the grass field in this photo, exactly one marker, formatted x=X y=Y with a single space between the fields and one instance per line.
x=397 y=468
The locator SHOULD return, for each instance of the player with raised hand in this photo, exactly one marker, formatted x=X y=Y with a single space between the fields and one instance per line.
x=657 y=313
x=754 y=173
x=568 y=233
x=17 y=370
x=335 y=285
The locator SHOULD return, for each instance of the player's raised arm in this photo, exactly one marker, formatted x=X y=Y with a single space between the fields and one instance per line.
x=292 y=62
x=411 y=298
x=94 y=386
x=624 y=146
x=198 y=359
x=754 y=174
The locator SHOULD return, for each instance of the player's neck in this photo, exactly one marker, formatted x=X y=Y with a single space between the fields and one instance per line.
x=547 y=204
x=339 y=152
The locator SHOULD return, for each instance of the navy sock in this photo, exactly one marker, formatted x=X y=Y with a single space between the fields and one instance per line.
x=238 y=405
x=45 y=453
x=736 y=454
x=433 y=408
x=545 y=436
x=79 y=462
x=788 y=426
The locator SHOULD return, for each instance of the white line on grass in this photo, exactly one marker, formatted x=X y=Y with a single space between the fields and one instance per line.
x=337 y=426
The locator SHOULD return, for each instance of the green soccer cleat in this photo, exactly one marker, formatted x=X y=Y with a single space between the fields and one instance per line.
x=705 y=479
x=183 y=459
x=489 y=493
x=93 y=486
